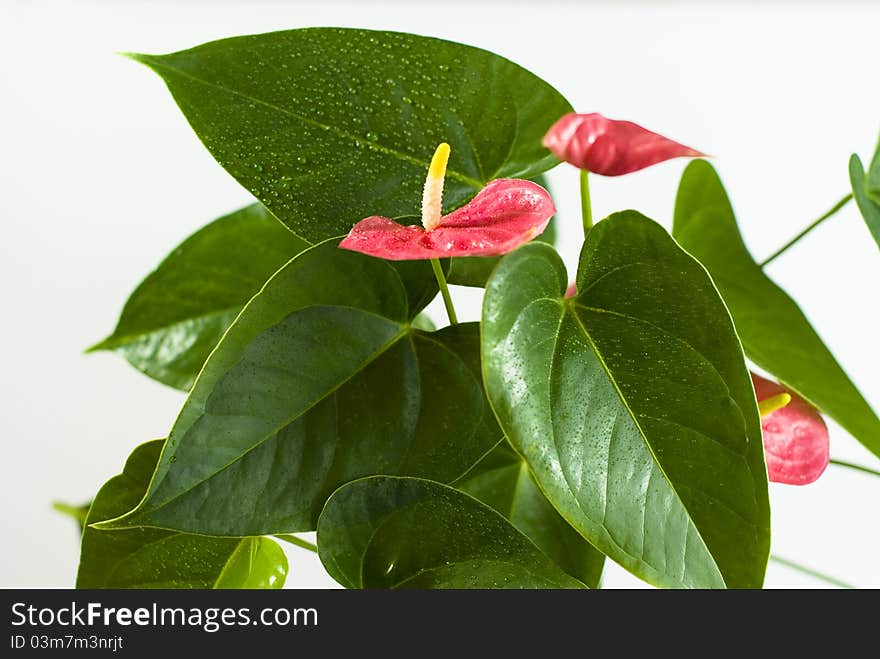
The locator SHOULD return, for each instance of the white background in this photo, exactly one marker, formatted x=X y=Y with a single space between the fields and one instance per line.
x=101 y=176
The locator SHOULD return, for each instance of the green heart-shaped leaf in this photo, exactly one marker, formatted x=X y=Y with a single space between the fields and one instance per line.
x=502 y=480
x=774 y=331
x=153 y=558
x=177 y=315
x=391 y=532
x=322 y=379
x=866 y=191
x=327 y=126
x=632 y=404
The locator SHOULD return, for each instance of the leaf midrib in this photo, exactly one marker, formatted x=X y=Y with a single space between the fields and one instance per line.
x=424 y=336
x=405 y=330
x=626 y=406
x=171 y=535
x=118 y=341
x=574 y=498
x=661 y=330
x=234 y=555
x=156 y=62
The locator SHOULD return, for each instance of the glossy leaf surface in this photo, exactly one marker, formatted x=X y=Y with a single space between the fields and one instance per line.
x=327 y=126
x=386 y=532
x=321 y=380
x=178 y=313
x=502 y=481
x=632 y=404
x=774 y=331
x=153 y=558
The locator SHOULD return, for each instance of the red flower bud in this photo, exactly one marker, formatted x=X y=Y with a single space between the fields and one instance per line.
x=610 y=147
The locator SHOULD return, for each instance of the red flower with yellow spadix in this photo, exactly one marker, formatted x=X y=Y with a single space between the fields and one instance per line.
x=795 y=435
x=504 y=215
x=608 y=146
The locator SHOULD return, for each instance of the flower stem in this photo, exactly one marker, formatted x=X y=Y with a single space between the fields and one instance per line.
x=840 y=204
x=444 y=291
x=586 y=205
x=810 y=571
x=299 y=542
x=850 y=465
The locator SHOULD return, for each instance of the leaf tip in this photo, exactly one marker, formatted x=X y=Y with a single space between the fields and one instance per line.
x=699 y=163
x=856 y=162
x=142 y=58
x=103 y=344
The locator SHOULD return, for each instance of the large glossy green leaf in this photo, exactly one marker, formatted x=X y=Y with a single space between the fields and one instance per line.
x=502 y=480
x=391 y=532
x=866 y=190
x=327 y=126
x=632 y=404
x=152 y=558
x=178 y=313
x=774 y=331
x=475 y=270
x=320 y=380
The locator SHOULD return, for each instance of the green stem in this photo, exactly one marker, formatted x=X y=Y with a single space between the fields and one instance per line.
x=810 y=571
x=586 y=205
x=850 y=465
x=299 y=542
x=444 y=291
x=840 y=204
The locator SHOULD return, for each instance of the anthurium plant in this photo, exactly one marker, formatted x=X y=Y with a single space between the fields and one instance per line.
x=602 y=412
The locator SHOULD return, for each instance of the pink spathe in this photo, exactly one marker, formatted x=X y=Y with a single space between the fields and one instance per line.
x=504 y=215
x=608 y=146
x=795 y=437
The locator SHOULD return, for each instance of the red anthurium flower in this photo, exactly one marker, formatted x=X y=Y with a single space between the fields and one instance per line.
x=795 y=436
x=610 y=147
x=504 y=215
